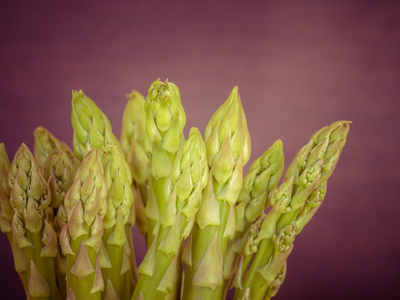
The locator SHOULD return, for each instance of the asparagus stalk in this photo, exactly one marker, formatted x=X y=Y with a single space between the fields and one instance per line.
x=262 y=178
x=59 y=171
x=165 y=120
x=91 y=127
x=161 y=265
x=122 y=269
x=135 y=146
x=30 y=199
x=80 y=239
x=6 y=216
x=294 y=204
x=228 y=148
x=45 y=143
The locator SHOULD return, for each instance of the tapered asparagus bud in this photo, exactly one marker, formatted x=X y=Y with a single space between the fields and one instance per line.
x=313 y=165
x=294 y=202
x=262 y=178
x=165 y=120
x=91 y=127
x=6 y=217
x=116 y=223
x=228 y=148
x=86 y=206
x=30 y=199
x=133 y=139
x=135 y=145
x=46 y=143
x=59 y=171
x=325 y=144
x=184 y=186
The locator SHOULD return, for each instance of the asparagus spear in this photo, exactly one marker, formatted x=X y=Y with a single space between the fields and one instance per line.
x=80 y=239
x=122 y=269
x=165 y=120
x=183 y=189
x=59 y=171
x=135 y=146
x=6 y=216
x=91 y=127
x=262 y=178
x=30 y=199
x=294 y=204
x=228 y=148
x=46 y=143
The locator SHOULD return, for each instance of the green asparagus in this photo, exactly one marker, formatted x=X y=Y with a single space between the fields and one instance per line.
x=183 y=189
x=165 y=120
x=30 y=198
x=68 y=214
x=227 y=143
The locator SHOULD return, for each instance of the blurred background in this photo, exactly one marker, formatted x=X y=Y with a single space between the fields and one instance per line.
x=299 y=65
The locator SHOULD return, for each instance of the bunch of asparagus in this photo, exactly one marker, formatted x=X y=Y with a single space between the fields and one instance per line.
x=68 y=214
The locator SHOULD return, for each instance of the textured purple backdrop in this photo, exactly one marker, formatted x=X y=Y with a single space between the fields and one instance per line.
x=299 y=66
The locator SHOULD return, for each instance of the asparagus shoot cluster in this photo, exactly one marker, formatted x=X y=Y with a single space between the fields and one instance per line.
x=68 y=214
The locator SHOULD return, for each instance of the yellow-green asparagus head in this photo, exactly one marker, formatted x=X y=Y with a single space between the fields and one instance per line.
x=228 y=146
x=134 y=142
x=189 y=176
x=59 y=171
x=326 y=144
x=120 y=197
x=91 y=127
x=86 y=203
x=263 y=177
x=45 y=143
x=30 y=198
x=165 y=116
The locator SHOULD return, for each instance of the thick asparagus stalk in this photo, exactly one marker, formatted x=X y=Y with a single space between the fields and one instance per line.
x=161 y=266
x=165 y=120
x=122 y=269
x=262 y=178
x=294 y=204
x=228 y=148
x=135 y=146
x=80 y=239
x=91 y=127
x=30 y=199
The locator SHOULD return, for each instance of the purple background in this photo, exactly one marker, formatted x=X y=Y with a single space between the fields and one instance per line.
x=299 y=66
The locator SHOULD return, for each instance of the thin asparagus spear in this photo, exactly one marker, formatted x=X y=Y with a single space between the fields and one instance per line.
x=30 y=199
x=120 y=200
x=262 y=178
x=228 y=148
x=294 y=204
x=6 y=216
x=165 y=120
x=59 y=171
x=135 y=146
x=161 y=266
x=80 y=239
